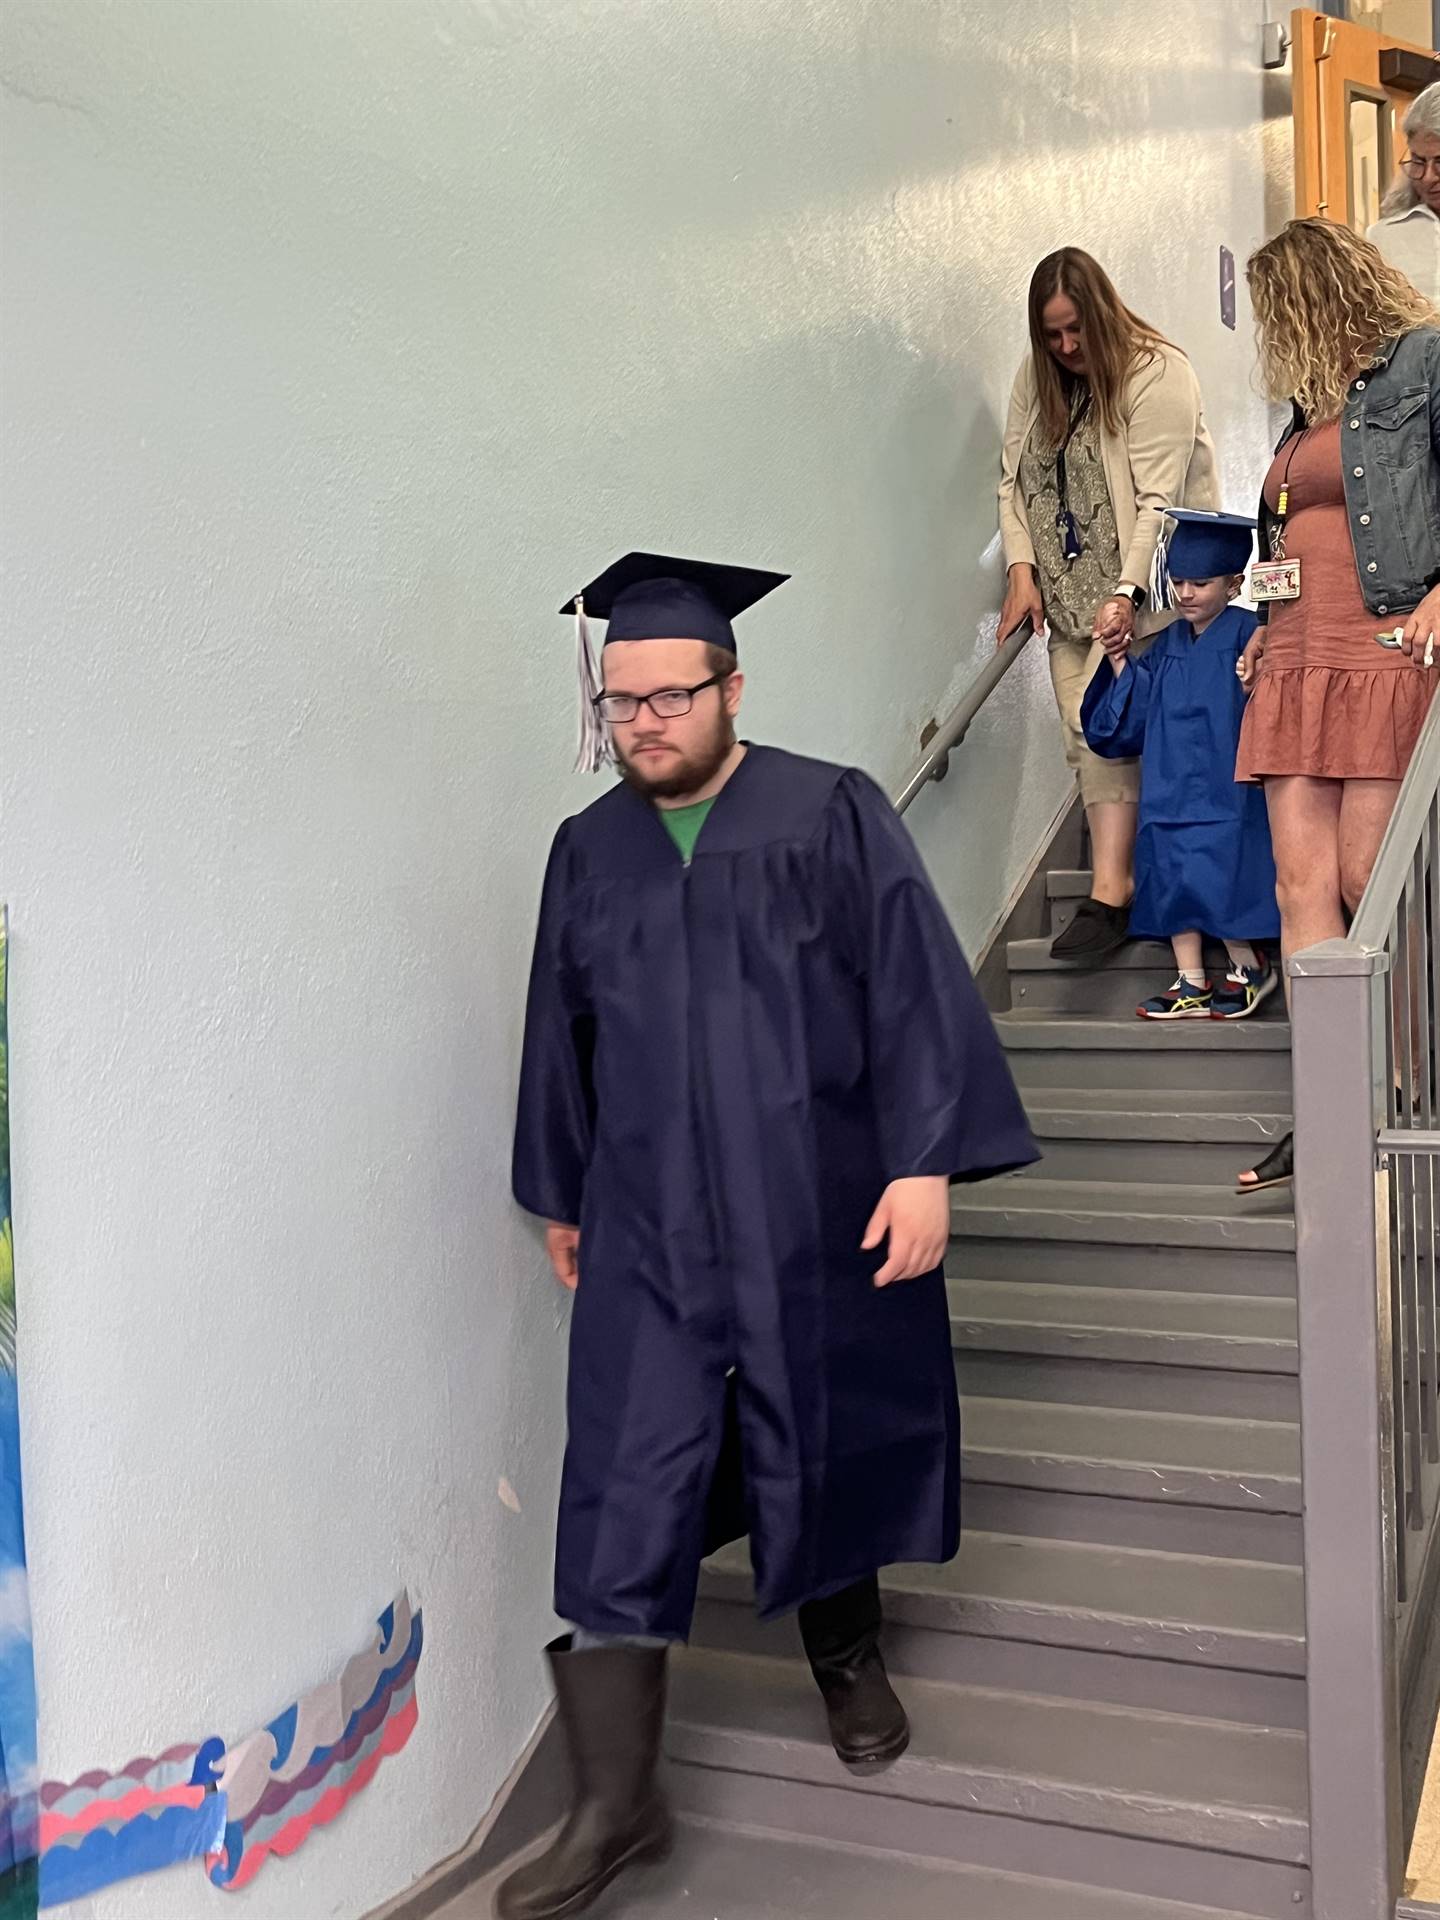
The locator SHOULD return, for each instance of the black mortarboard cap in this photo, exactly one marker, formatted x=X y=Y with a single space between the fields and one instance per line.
x=655 y=596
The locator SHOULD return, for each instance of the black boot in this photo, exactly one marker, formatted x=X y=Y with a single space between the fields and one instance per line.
x=611 y=1702
x=842 y=1639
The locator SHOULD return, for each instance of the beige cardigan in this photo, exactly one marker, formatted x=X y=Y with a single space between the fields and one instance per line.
x=1163 y=456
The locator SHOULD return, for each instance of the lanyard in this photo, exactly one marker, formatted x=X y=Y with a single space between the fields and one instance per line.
x=1070 y=544
x=1282 y=503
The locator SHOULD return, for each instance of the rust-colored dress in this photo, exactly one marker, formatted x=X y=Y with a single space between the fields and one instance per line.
x=1328 y=701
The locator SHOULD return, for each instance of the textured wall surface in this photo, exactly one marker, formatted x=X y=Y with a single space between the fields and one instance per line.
x=341 y=343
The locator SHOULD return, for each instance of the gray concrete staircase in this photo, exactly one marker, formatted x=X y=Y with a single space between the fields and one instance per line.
x=1107 y=1687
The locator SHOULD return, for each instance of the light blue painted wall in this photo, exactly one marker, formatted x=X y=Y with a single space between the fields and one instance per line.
x=341 y=343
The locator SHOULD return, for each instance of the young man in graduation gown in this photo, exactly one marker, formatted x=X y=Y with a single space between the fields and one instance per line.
x=754 y=1061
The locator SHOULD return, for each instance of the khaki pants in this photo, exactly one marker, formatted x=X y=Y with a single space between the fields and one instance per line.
x=1072 y=668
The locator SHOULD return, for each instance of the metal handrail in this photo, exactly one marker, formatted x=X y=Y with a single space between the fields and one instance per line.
x=934 y=762
x=1409 y=1140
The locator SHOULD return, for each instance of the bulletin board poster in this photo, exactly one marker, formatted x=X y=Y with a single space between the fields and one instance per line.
x=19 y=1824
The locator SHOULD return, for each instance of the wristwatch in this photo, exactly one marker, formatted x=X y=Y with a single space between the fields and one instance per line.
x=1135 y=595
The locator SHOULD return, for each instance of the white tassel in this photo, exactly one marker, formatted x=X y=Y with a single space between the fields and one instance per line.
x=1160 y=590
x=593 y=751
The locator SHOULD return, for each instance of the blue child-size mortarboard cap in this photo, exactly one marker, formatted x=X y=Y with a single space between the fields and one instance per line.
x=1203 y=546
x=655 y=596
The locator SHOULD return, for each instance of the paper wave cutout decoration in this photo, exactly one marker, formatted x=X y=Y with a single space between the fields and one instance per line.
x=19 y=1842
x=187 y=1827
x=77 y=1805
x=111 y=1826
x=310 y=1762
x=235 y=1806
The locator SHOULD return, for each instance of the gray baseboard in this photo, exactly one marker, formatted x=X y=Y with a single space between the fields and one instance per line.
x=532 y=1800
x=1416 y=1910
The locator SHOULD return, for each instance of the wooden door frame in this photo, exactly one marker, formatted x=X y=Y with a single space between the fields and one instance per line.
x=1329 y=57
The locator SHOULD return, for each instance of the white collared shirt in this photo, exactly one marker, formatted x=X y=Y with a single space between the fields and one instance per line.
x=1411 y=242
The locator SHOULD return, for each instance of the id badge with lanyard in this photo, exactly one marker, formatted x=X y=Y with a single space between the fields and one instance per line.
x=1278 y=578
x=1071 y=545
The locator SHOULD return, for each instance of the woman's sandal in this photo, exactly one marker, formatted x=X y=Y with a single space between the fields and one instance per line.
x=1277 y=1169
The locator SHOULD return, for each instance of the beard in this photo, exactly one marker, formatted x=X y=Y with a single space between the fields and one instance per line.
x=694 y=768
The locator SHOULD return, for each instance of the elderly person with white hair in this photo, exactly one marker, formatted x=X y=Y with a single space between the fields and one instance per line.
x=1408 y=230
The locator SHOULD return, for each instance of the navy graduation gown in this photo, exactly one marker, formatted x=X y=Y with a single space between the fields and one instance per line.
x=1203 y=861
x=724 y=1067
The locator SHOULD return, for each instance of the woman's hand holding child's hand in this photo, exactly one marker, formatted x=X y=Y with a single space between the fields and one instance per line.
x=1115 y=615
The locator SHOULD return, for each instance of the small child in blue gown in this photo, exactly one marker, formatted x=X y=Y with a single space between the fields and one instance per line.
x=1203 y=862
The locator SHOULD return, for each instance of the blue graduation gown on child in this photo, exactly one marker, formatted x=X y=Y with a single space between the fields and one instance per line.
x=725 y=1065
x=1203 y=861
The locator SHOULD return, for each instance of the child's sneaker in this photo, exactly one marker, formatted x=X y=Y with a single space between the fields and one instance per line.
x=1242 y=991
x=1183 y=1001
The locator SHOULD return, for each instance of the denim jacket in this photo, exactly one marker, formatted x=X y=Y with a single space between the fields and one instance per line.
x=1390 y=456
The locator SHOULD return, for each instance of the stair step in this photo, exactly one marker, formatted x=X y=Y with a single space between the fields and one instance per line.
x=1129 y=1453
x=1079 y=995
x=1045 y=1032
x=1150 y=1525
x=1162 y=1777
x=1069 y=1594
x=1033 y=1031
x=1253 y=1334
x=1115 y=994
x=1158 y=1113
x=1240 y=1056
x=1127 y=1213
x=1136 y=956
x=1068 y=883
x=737 y=1873
x=1152 y=1134
x=1136 y=1386
x=1199 y=1163
x=1113 y=986
x=1084 y=1263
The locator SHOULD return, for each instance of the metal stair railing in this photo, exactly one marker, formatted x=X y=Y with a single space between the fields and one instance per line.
x=1365 y=1012
x=934 y=761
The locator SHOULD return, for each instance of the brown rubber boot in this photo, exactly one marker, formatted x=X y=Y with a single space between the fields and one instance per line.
x=611 y=1703
x=842 y=1638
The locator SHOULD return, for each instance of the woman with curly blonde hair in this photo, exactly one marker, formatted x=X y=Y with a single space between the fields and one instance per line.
x=1352 y=500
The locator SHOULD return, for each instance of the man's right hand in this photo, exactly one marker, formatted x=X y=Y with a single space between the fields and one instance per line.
x=1022 y=603
x=563 y=1246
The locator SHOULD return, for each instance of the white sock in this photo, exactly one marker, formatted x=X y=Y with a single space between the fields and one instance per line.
x=1242 y=955
x=1193 y=978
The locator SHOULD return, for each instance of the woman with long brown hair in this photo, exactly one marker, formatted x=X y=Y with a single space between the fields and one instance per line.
x=1106 y=430
x=1351 y=508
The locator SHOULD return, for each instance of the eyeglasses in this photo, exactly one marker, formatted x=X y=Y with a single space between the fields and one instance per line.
x=619 y=709
x=1416 y=168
